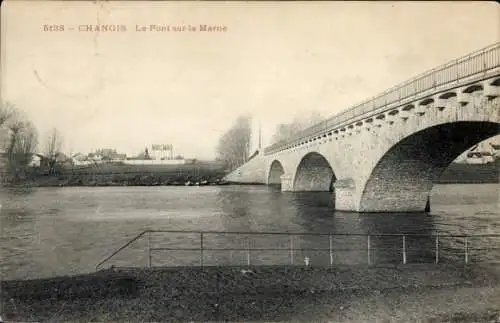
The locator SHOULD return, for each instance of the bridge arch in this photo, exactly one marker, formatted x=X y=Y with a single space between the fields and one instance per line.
x=275 y=172
x=403 y=178
x=314 y=173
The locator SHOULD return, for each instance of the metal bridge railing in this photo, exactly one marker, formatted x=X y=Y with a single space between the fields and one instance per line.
x=200 y=248
x=473 y=64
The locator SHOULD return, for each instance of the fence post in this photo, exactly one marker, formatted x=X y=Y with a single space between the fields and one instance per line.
x=404 y=249
x=437 y=249
x=149 y=249
x=368 y=242
x=248 y=252
x=201 y=249
x=331 y=250
x=291 y=249
x=466 y=251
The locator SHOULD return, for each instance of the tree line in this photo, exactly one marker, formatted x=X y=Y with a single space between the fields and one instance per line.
x=285 y=131
x=19 y=143
x=233 y=149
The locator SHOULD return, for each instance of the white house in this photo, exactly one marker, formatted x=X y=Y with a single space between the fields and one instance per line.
x=483 y=153
x=36 y=160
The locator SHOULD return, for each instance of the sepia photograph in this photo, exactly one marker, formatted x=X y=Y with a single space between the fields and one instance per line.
x=250 y=161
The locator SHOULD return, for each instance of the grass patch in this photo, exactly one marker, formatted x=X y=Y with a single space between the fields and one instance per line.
x=274 y=293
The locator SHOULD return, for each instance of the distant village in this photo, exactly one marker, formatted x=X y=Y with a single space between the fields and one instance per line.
x=156 y=155
x=483 y=153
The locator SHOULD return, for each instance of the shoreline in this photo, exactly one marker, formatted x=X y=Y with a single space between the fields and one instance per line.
x=200 y=175
x=305 y=294
x=57 y=183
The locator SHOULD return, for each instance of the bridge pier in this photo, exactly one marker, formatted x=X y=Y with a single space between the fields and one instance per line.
x=286 y=183
x=345 y=195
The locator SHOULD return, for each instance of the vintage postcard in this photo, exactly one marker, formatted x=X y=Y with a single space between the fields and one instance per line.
x=249 y=161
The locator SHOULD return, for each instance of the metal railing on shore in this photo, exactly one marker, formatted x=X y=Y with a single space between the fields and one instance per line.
x=453 y=72
x=321 y=249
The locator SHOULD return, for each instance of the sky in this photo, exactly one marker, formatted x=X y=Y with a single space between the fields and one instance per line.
x=274 y=61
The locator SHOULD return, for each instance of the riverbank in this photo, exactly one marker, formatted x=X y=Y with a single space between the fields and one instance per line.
x=115 y=174
x=210 y=174
x=427 y=293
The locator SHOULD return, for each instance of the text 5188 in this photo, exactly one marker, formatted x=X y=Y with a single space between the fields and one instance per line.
x=53 y=28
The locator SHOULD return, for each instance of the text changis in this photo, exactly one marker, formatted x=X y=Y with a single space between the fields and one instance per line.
x=102 y=28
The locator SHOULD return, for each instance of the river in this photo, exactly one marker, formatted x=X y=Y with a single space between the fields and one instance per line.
x=60 y=231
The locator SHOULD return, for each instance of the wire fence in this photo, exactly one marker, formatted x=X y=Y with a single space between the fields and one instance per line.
x=217 y=248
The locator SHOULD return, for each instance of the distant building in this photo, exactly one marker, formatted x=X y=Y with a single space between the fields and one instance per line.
x=79 y=157
x=161 y=152
x=482 y=153
x=143 y=155
x=63 y=159
x=495 y=148
x=36 y=160
x=110 y=154
x=94 y=157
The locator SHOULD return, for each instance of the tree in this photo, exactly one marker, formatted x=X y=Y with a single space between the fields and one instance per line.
x=286 y=131
x=54 y=143
x=27 y=143
x=53 y=150
x=19 y=139
x=22 y=145
x=234 y=145
x=8 y=114
x=7 y=111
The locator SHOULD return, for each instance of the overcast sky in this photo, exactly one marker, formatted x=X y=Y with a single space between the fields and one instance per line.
x=276 y=61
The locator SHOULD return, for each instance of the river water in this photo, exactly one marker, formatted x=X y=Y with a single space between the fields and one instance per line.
x=59 y=231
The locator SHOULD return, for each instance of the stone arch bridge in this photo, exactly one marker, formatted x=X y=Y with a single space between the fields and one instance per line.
x=384 y=154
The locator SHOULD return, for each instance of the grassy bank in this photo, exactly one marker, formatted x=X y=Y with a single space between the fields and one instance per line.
x=428 y=293
x=207 y=173
x=132 y=175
